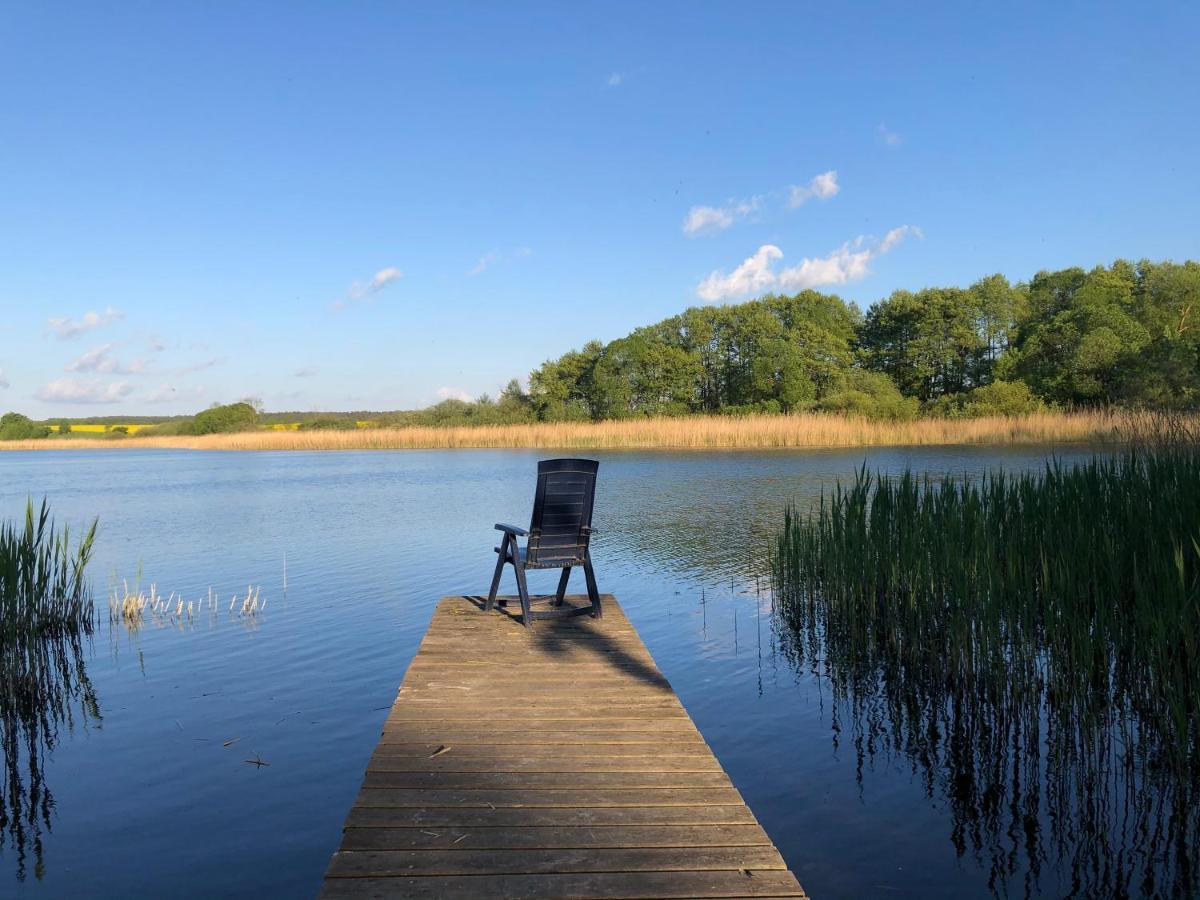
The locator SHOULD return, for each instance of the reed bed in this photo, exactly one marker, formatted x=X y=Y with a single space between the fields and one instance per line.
x=136 y=608
x=46 y=616
x=801 y=431
x=1032 y=643
x=42 y=587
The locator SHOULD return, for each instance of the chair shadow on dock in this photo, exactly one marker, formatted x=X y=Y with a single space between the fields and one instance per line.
x=560 y=637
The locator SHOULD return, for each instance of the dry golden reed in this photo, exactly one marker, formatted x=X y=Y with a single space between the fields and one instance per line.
x=801 y=431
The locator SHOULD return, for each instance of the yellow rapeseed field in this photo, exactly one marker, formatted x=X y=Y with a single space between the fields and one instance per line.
x=92 y=428
x=801 y=431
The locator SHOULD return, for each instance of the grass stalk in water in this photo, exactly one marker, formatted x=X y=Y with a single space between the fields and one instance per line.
x=1031 y=641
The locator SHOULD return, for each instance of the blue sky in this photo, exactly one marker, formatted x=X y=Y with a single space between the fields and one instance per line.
x=374 y=205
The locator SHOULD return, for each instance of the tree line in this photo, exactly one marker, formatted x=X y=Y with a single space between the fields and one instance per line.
x=1124 y=334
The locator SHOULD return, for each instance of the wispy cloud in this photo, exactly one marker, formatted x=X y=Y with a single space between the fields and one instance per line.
x=453 y=393
x=711 y=219
x=850 y=262
x=306 y=372
x=616 y=79
x=4 y=383
x=705 y=220
x=100 y=359
x=84 y=390
x=494 y=256
x=822 y=187
x=365 y=290
x=66 y=327
x=889 y=137
x=198 y=366
x=484 y=261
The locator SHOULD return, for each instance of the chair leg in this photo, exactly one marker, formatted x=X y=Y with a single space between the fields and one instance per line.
x=562 y=586
x=501 y=555
x=593 y=591
x=523 y=590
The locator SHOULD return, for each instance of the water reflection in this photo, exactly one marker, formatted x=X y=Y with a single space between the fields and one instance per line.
x=1051 y=790
x=44 y=692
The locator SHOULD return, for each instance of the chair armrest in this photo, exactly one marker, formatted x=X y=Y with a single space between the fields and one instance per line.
x=511 y=529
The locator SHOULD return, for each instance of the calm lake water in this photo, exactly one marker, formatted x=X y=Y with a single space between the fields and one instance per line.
x=148 y=800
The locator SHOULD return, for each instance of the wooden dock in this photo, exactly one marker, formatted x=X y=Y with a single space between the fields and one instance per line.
x=546 y=762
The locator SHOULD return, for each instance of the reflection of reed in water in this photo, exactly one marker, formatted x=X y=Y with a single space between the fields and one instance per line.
x=46 y=614
x=1029 y=643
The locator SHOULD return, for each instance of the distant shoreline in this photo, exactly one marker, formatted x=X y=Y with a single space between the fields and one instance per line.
x=806 y=431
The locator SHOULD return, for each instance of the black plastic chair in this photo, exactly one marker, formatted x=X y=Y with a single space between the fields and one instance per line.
x=558 y=537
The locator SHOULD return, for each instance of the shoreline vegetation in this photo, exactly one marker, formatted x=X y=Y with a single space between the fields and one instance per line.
x=1028 y=642
x=1052 y=360
x=754 y=432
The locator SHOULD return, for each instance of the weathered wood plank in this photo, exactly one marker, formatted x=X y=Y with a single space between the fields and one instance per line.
x=517 y=798
x=531 y=781
x=540 y=861
x=460 y=735
x=592 y=886
x=533 y=755
x=547 y=762
x=675 y=724
x=548 y=837
x=422 y=817
x=529 y=766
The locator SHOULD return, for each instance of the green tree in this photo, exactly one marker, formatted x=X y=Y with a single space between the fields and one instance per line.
x=872 y=395
x=1082 y=338
x=240 y=416
x=16 y=427
x=930 y=343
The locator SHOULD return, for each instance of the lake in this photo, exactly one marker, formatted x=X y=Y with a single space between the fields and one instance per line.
x=151 y=793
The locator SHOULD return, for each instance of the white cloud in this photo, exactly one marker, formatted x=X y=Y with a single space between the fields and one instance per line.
x=87 y=390
x=494 y=256
x=306 y=372
x=100 y=359
x=822 y=187
x=4 y=383
x=484 y=261
x=67 y=328
x=711 y=219
x=199 y=366
x=453 y=393
x=891 y=138
x=850 y=262
x=363 y=291
x=616 y=78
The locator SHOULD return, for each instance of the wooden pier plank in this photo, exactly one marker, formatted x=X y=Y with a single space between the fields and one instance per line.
x=546 y=762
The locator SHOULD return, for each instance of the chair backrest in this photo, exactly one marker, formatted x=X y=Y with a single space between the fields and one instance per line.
x=560 y=528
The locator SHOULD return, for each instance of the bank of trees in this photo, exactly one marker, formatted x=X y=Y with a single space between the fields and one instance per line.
x=1123 y=334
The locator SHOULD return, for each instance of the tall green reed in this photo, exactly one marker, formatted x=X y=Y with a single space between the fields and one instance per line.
x=42 y=587
x=1031 y=641
x=46 y=615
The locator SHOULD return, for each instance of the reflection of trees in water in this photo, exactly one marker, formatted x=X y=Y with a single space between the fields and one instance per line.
x=44 y=688
x=1066 y=787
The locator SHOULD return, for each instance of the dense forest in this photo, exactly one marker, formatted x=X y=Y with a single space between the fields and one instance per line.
x=1119 y=335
